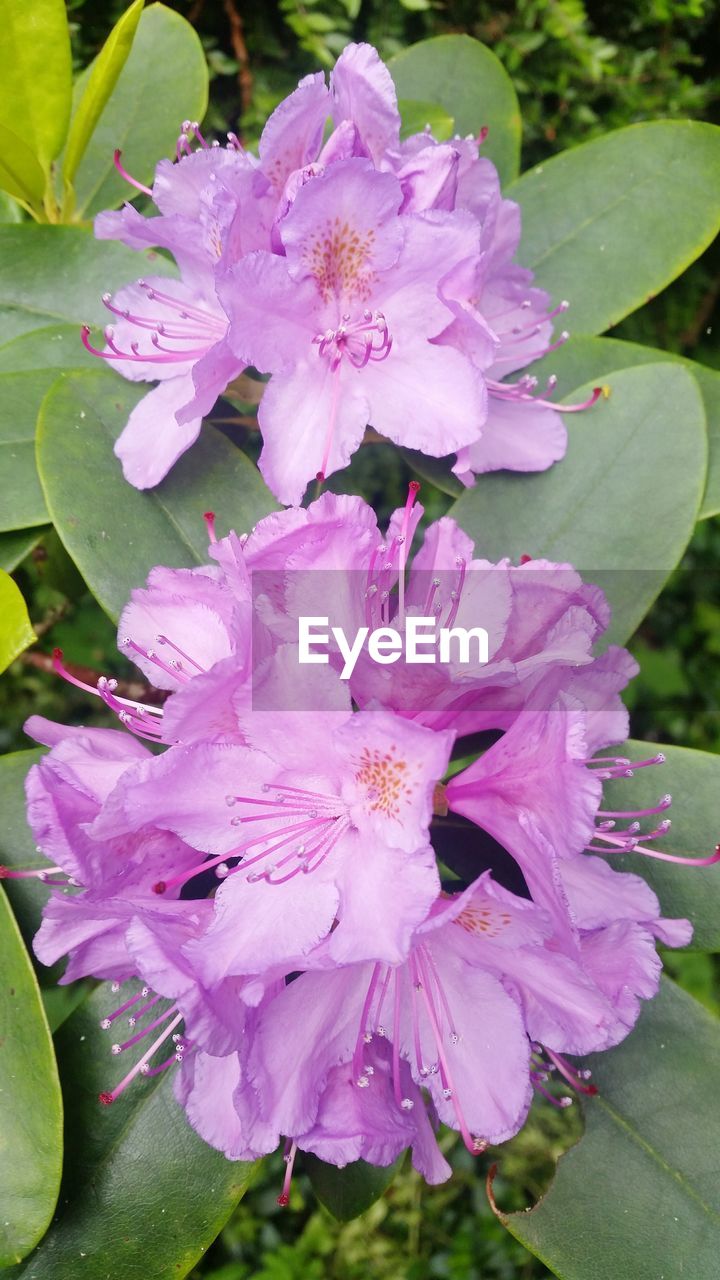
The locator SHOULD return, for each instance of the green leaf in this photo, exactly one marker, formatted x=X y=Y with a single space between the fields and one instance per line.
x=163 y=82
x=17 y=846
x=591 y=359
x=30 y=1102
x=467 y=80
x=97 y=87
x=16 y=631
x=622 y=504
x=142 y=1195
x=116 y=539
x=20 y=172
x=36 y=74
x=10 y=210
x=15 y=546
x=28 y=368
x=435 y=471
x=693 y=780
x=21 y=500
x=639 y=1196
x=59 y=274
x=348 y=1192
x=609 y=224
x=54 y=346
x=416 y=116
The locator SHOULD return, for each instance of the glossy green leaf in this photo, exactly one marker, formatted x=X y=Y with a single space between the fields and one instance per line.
x=21 y=174
x=692 y=778
x=639 y=1195
x=350 y=1191
x=116 y=541
x=97 y=86
x=609 y=224
x=21 y=501
x=54 y=346
x=163 y=82
x=416 y=116
x=622 y=504
x=28 y=367
x=17 y=847
x=591 y=359
x=15 y=546
x=142 y=1195
x=30 y=1102
x=466 y=79
x=16 y=631
x=51 y=275
x=436 y=471
x=36 y=74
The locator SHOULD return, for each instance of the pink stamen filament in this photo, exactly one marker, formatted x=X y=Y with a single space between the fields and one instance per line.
x=357 y=1063
x=662 y=857
x=290 y=834
x=663 y=804
x=140 y=1035
x=141 y=995
x=140 y=1013
x=150 y=656
x=284 y=1197
x=155 y=325
x=571 y=1076
x=467 y=1137
x=396 y=1041
x=185 y=310
x=135 y=715
x=108 y=1098
x=456 y=594
x=517 y=391
x=413 y=490
x=167 y=356
x=139 y=186
x=415 y=986
x=34 y=873
x=163 y=1066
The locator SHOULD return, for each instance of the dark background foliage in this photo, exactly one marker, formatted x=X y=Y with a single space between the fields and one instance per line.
x=579 y=70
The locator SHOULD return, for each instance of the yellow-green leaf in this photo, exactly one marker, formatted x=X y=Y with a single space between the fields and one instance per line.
x=98 y=86
x=36 y=74
x=21 y=174
x=16 y=632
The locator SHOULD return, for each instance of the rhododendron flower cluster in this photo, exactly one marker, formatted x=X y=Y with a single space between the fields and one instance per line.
x=266 y=883
x=374 y=279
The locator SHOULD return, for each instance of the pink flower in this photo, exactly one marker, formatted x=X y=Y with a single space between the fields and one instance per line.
x=173 y=331
x=345 y=322
x=305 y=832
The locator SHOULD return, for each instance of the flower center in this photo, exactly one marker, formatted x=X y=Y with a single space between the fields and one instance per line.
x=385 y=779
x=359 y=340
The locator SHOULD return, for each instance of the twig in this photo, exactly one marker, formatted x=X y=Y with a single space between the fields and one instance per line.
x=237 y=40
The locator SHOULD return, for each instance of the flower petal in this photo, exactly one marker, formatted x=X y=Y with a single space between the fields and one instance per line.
x=153 y=440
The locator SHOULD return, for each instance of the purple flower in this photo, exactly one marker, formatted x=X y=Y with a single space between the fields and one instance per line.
x=375 y=280
x=169 y=330
x=523 y=429
x=345 y=322
x=113 y=879
x=322 y=823
x=457 y=1019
